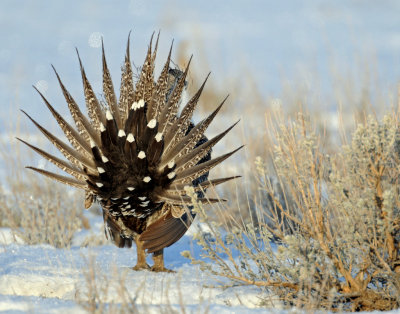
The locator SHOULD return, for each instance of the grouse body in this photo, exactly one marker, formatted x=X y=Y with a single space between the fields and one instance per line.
x=135 y=155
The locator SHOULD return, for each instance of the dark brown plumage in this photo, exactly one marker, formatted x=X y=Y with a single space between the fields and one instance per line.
x=135 y=155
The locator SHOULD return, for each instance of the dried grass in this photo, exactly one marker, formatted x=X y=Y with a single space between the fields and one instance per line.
x=110 y=293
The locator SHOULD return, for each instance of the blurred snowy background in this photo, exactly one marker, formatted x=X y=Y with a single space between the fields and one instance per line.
x=276 y=41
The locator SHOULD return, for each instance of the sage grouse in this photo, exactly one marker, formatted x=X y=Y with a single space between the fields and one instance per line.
x=136 y=155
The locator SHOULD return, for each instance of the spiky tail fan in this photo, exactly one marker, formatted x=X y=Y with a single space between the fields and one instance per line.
x=136 y=154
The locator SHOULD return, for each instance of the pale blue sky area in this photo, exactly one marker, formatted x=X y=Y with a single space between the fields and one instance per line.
x=272 y=39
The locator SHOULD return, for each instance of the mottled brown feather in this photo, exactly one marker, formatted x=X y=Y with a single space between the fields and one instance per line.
x=71 y=134
x=63 y=165
x=63 y=179
x=73 y=156
x=127 y=89
x=178 y=129
x=94 y=109
x=108 y=89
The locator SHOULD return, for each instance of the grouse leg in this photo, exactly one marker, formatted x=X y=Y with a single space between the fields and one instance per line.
x=141 y=256
x=158 y=258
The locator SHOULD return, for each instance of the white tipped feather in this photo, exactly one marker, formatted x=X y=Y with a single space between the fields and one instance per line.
x=146 y=179
x=102 y=128
x=171 y=175
x=121 y=133
x=100 y=170
x=104 y=159
x=109 y=115
x=159 y=136
x=141 y=155
x=130 y=138
x=152 y=123
x=99 y=184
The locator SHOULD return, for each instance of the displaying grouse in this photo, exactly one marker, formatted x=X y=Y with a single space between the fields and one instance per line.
x=135 y=155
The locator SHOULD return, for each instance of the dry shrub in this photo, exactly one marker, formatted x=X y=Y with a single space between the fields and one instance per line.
x=37 y=209
x=114 y=292
x=93 y=296
x=43 y=213
x=327 y=234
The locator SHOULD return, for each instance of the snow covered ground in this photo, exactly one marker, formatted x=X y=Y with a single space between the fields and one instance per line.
x=44 y=279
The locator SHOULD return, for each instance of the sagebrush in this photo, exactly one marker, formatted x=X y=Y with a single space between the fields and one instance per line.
x=327 y=233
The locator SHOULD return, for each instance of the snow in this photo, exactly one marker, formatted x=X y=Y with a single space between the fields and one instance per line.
x=7 y=237
x=44 y=279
